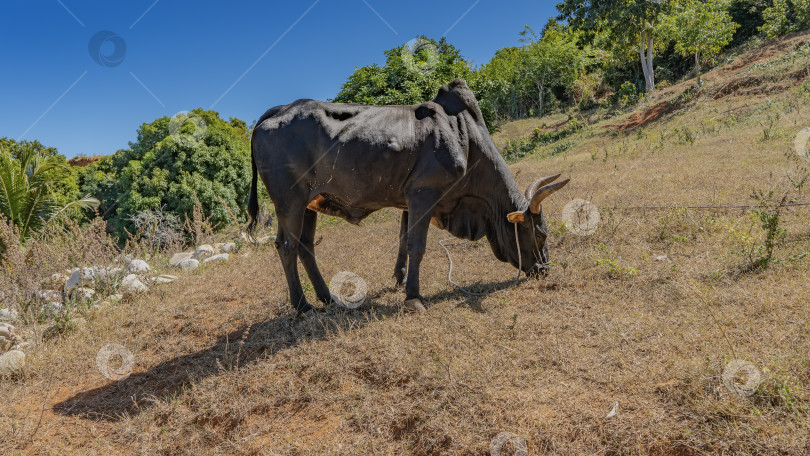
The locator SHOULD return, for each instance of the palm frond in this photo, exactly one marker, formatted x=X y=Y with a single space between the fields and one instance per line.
x=87 y=202
x=26 y=189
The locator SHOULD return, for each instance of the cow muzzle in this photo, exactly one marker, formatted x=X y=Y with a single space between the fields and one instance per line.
x=537 y=271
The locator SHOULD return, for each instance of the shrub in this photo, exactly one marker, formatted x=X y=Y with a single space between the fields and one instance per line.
x=35 y=185
x=785 y=16
x=175 y=161
x=627 y=94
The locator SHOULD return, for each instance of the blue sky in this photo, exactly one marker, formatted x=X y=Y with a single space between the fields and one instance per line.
x=238 y=58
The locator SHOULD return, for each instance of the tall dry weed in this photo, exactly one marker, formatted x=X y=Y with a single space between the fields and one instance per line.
x=63 y=245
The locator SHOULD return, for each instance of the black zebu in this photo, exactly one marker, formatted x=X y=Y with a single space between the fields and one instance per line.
x=434 y=160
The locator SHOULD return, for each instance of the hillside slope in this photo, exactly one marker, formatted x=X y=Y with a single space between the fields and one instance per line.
x=622 y=349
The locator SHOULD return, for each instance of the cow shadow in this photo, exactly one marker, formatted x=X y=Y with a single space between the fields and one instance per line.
x=474 y=293
x=233 y=351
x=136 y=393
x=471 y=297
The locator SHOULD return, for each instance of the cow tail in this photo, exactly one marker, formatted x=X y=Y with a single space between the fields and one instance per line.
x=253 y=198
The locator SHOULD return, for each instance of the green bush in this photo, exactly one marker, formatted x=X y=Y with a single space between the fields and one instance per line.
x=175 y=160
x=519 y=148
x=785 y=16
x=627 y=94
x=412 y=74
x=35 y=185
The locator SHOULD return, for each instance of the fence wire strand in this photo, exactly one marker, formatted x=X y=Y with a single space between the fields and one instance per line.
x=740 y=206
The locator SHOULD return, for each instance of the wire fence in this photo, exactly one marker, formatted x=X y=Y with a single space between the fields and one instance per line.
x=444 y=245
x=739 y=206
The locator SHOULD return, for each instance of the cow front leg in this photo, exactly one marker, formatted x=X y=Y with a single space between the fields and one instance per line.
x=420 y=208
x=287 y=242
x=402 y=255
x=306 y=252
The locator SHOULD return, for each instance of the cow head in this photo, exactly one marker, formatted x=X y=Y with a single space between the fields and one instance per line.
x=531 y=227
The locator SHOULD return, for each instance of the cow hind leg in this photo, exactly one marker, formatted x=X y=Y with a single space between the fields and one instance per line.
x=290 y=225
x=402 y=256
x=306 y=252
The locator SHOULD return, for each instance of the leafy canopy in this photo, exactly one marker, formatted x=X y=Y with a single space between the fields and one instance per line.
x=701 y=28
x=35 y=184
x=517 y=80
x=412 y=74
x=785 y=16
x=175 y=160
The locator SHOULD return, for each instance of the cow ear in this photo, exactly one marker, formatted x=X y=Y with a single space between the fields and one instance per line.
x=516 y=217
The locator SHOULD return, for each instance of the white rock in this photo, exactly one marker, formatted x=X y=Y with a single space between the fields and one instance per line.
x=178 y=257
x=54 y=281
x=108 y=276
x=203 y=251
x=189 y=264
x=23 y=346
x=614 y=411
x=132 y=285
x=83 y=293
x=79 y=277
x=138 y=267
x=661 y=258
x=8 y=315
x=228 y=247
x=6 y=330
x=49 y=295
x=164 y=278
x=11 y=363
x=222 y=257
x=115 y=297
x=5 y=344
x=98 y=305
x=218 y=247
x=53 y=308
x=8 y=339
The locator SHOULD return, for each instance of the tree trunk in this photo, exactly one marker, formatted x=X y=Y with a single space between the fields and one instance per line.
x=540 y=98
x=645 y=52
x=643 y=57
x=650 y=62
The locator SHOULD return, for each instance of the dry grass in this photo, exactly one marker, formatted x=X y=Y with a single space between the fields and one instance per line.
x=645 y=313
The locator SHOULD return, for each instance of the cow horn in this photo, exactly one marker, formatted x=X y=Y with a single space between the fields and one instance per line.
x=542 y=193
x=532 y=189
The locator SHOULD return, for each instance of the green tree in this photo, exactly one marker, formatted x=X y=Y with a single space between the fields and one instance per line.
x=701 y=28
x=172 y=162
x=501 y=87
x=629 y=24
x=747 y=13
x=553 y=60
x=785 y=16
x=32 y=178
x=412 y=74
x=62 y=178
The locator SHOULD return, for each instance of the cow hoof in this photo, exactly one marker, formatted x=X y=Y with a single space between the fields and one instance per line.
x=308 y=315
x=335 y=301
x=415 y=305
x=306 y=309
